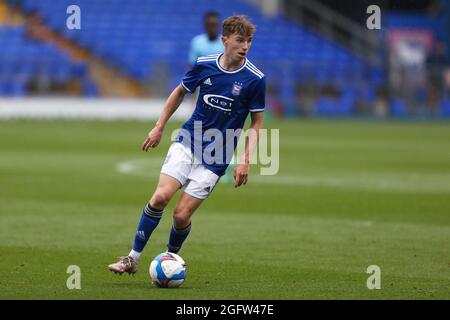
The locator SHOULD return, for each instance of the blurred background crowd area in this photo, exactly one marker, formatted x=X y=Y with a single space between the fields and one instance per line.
x=319 y=56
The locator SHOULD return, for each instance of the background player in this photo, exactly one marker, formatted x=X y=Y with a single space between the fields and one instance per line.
x=231 y=87
x=208 y=42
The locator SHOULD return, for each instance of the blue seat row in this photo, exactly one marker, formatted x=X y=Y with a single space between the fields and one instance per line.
x=138 y=37
x=23 y=59
x=161 y=30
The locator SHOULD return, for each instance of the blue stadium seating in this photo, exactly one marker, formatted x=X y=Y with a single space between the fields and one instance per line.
x=23 y=59
x=136 y=35
x=445 y=108
x=343 y=105
x=416 y=21
x=397 y=107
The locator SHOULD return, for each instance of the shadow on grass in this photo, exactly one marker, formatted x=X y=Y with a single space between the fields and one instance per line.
x=146 y=286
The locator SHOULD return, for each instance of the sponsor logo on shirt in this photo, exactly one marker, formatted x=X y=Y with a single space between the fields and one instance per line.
x=218 y=102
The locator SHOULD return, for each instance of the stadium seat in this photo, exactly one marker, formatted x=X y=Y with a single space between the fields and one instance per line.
x=397 y=107
x=445 y=108
x=131 y=38
x=22 y=59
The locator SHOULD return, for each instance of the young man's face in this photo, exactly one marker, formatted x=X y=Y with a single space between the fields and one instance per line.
x=237 y=46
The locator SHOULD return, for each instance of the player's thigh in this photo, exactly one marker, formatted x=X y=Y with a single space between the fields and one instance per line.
x=174 y=172
x=168 y=183
x=186 y=206
x=167 y=186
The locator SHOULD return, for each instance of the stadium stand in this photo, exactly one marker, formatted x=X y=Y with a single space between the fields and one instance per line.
x=144 y=35
x=22 y=60
x=436 y=26
x=25 y=60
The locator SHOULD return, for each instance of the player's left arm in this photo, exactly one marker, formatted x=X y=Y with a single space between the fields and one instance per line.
x=241 y=171
x=257 y=102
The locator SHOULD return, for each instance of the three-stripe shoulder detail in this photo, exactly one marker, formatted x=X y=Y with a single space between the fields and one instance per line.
x=254 y=69
x=211 y=57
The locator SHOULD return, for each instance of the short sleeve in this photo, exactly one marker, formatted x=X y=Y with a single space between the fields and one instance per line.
x=192 y=78
x=258 y=96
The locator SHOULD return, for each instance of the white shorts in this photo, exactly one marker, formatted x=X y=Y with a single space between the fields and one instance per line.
x=197 y=181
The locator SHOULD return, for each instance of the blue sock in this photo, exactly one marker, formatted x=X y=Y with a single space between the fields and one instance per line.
x=149 y=221
x=177 y=237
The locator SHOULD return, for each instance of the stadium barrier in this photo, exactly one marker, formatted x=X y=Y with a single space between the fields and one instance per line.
x=95 y=109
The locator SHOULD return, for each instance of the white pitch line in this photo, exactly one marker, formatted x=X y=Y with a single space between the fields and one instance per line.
x=141 y=167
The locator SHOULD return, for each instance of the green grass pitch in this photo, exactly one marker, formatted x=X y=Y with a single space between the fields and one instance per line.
x=348 y=195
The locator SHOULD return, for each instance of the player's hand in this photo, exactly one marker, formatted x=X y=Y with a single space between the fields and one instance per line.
x=240 y=174
x=153 y=139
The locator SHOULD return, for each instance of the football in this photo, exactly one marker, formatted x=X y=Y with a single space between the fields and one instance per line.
x=167 y=270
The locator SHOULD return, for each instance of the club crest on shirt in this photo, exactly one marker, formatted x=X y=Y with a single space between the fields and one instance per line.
x=237 y=87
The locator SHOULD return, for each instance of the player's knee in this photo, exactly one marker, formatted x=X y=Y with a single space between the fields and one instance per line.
x=160 y=200
x=181 y=217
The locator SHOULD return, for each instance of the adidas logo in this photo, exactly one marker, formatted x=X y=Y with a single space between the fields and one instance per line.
x=208 y=82
x=141 y=234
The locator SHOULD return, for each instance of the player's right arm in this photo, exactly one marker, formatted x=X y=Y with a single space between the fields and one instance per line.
x=189 y=83
x=172 y=104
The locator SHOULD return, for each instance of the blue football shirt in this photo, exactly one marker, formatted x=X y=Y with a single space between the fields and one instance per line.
x=202 y=46
x=224 y=102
